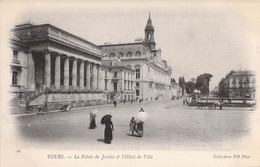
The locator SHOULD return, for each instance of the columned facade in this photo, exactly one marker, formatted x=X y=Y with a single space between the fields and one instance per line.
x=84 y=75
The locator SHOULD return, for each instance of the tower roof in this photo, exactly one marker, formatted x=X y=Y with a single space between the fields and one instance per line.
x=149 y=25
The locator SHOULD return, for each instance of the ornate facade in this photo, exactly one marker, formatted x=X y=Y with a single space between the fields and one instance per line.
x=152 y=73
x=239 y=84
x=52 y=67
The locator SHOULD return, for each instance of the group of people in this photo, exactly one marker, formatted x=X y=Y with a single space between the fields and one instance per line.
x=136 y=124
x=186 y=101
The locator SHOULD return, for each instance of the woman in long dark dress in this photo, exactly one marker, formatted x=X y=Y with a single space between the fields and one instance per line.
x=92 y=122
x=92 y=119
x=108 y=131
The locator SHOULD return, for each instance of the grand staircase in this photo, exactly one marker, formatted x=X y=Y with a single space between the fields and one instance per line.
x=115 y=95
x=29 y=96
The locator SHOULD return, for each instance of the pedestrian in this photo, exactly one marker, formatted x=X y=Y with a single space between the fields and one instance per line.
x=92 y=119
x=140 y=118
x=124 y=101
x=108 y=134
x=183 y=101
x=220 y=105
x=131 y=101
x=132 y=125
x=187 y=102
x=115 y=103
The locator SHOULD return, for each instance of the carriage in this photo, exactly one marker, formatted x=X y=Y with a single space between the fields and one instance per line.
x=209 y=105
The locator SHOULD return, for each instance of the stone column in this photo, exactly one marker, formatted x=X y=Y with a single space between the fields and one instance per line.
x=66 y=73
x=47 y=70
x=74 y=74
x=57 y=72
x=94 y=77
x=88 y=75
x=81 y=72
x=31 y=73
x=99 y=77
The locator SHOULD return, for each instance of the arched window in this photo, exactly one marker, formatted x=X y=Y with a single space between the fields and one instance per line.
x=120 y=54
x=112 y=55
x=138 y=54
x=129 y=54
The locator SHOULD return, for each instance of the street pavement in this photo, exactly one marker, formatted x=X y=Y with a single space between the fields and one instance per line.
x=169 y=126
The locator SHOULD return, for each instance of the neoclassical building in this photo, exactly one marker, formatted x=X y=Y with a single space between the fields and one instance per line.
x=53 y=67
x=152 y=73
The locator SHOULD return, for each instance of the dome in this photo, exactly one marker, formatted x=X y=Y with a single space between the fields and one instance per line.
x=149 y=25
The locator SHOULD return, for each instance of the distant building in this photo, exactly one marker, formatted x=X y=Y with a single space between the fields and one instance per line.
x=176 y=90
x=152 y=73
x=118 y=80
x=238 y=84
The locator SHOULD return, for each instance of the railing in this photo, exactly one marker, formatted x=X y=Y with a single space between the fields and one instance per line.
x=117 y=95
x=29 y=97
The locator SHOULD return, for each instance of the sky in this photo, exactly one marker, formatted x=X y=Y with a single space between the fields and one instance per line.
x=195 y=38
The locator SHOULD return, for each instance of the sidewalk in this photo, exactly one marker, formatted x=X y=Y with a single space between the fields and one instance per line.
x=18 y=111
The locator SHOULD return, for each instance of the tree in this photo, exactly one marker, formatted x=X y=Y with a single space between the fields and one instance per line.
x=202 y=83
x=215 y=91
x=182 y=84
x=173 y=80
x=190 y=87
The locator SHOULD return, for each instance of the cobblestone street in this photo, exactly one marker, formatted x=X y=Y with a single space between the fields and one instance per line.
x=169 y=126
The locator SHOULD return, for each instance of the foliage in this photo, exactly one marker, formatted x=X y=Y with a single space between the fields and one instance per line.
x=190 y=87
x=182 y=84
x=202 y=83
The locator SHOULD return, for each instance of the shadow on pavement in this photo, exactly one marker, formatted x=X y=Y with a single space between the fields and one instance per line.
x=134 y=135
x=100 y=140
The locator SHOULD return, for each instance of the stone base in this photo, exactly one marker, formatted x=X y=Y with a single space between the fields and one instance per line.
x=55 y=100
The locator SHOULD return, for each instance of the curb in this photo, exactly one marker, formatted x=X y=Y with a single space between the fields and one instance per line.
x=56 y=111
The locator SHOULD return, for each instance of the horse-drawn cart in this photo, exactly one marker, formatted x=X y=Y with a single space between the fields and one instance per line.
x=209 y=105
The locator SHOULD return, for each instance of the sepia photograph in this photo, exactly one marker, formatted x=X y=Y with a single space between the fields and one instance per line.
x=121 y=83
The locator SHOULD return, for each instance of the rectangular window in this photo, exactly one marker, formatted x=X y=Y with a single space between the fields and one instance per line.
x=15 y=55
x=115 y=74
x=91 y=70
x=91 y=82
x=137 y=84
x=137 y=92
x=106 y=84
x=14 y=78
x=137 y=73
x=105 y=74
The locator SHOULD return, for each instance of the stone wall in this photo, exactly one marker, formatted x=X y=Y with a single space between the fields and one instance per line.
x=54 y=100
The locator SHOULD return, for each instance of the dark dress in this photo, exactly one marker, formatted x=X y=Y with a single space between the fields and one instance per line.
x=93 y=123
x=140 y=128
x=108 y=132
